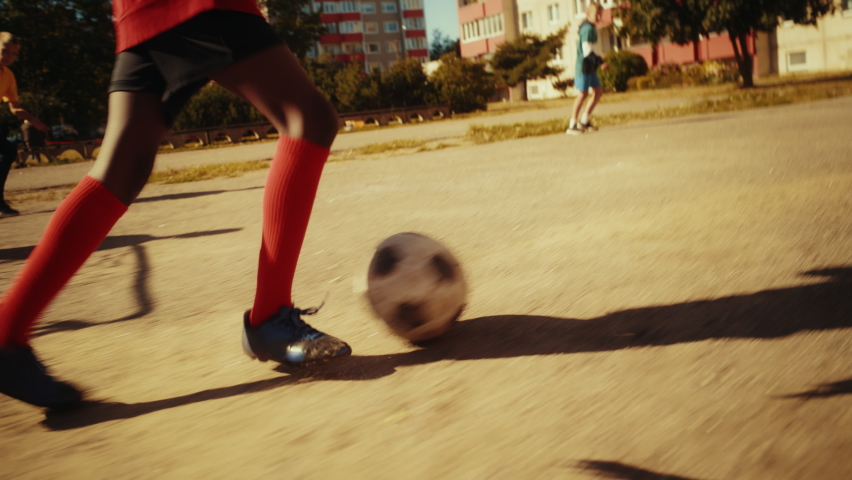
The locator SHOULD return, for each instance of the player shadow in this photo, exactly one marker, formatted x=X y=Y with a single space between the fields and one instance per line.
x=762 y=315
x=141 y=290
x=843 y=387
x=766 y=314
x=93 y=412
x=182 y=196
x=620 y=471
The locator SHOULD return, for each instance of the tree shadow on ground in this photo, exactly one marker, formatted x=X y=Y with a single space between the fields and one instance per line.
x=620 y=471
x=140 y=285
x=767 y=314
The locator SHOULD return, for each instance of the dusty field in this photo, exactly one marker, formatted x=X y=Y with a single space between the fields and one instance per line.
x=658 y=300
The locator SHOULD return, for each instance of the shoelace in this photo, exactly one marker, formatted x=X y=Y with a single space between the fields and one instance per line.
x=300 y=326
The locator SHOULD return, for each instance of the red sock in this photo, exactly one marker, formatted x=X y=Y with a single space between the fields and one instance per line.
x=74 y=231
x=291 y=187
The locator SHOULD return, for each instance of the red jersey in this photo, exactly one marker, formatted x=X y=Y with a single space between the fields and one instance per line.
x=138 y=20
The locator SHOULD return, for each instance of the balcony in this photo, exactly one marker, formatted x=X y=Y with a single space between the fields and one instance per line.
x=341 y=37
x=340 y=17
x=350 y=57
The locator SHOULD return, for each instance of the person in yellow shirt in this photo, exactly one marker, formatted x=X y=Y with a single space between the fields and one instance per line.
x=9 y=49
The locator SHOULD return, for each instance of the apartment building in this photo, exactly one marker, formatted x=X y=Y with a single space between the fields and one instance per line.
x=377 y=33
x=824 y=47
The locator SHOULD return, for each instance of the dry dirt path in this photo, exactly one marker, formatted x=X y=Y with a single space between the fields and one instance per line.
x=664 y=298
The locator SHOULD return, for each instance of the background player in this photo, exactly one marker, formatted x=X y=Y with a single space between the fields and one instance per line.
x=9 y=49
x=586 y=76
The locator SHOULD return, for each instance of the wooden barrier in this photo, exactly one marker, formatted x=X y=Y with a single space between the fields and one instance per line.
x=249 y=131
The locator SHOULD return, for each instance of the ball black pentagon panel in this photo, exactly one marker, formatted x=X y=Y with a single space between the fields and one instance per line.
x=444 y=269
x=384 y=262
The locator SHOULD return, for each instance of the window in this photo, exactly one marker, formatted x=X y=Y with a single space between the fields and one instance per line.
x=350 y=27
x=483 y=28
x=376 y=66
x=391 y=27
x=388 y=7
x=332 y=49
x=328 y=7
x=347 y=7
x=415 y=43
x=526 y=20
x=371 y=27
x=374 y=48
x=553 y=13
x=413 y=24
x=368 y=8
x=352 y=48
x=330 y=27
x=580 y=7
x=392 y=46
x=412 y=4
x=797 y=61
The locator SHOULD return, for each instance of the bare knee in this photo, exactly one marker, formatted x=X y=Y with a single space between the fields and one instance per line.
x=324 y=121
x=314 y=118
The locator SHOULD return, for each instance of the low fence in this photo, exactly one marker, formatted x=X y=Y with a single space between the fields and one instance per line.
x=245 y=132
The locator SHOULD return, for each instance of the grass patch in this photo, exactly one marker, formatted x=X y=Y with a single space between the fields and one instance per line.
x=207 y=172
x=737 y=100
x=38 y=194
x=385 y=147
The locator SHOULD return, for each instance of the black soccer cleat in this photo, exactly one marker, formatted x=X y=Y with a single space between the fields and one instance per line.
x=22 y=376
x=287 y=339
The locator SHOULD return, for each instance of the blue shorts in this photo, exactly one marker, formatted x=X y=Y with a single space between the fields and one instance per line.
x=584 y=82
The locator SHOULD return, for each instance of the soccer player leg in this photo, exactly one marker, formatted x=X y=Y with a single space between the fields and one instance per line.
x=274 y=82
x=135 y=126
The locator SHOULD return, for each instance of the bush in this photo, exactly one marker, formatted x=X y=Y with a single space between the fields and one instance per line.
x=623 y=65
x=464 y=84
x=213 y=106
x=671 y=74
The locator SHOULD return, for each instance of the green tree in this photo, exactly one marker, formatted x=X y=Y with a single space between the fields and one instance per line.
x=357 y=91
x=322 y=71
x=739 y=19
x=67 y=53
x=296 y=23
x=406 y=85
x=464 y=84
x=442 y=45
x=528 y=57
x=686 y=21
x=213 y=106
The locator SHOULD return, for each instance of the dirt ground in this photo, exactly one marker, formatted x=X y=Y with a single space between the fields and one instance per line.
x=657 y=300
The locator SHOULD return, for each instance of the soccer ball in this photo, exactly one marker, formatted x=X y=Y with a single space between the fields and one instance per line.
x=416 y=286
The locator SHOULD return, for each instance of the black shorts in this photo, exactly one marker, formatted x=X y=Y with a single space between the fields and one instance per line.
x=176 y=63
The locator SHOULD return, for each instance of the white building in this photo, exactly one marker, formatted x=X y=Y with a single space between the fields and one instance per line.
x=825 y=47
